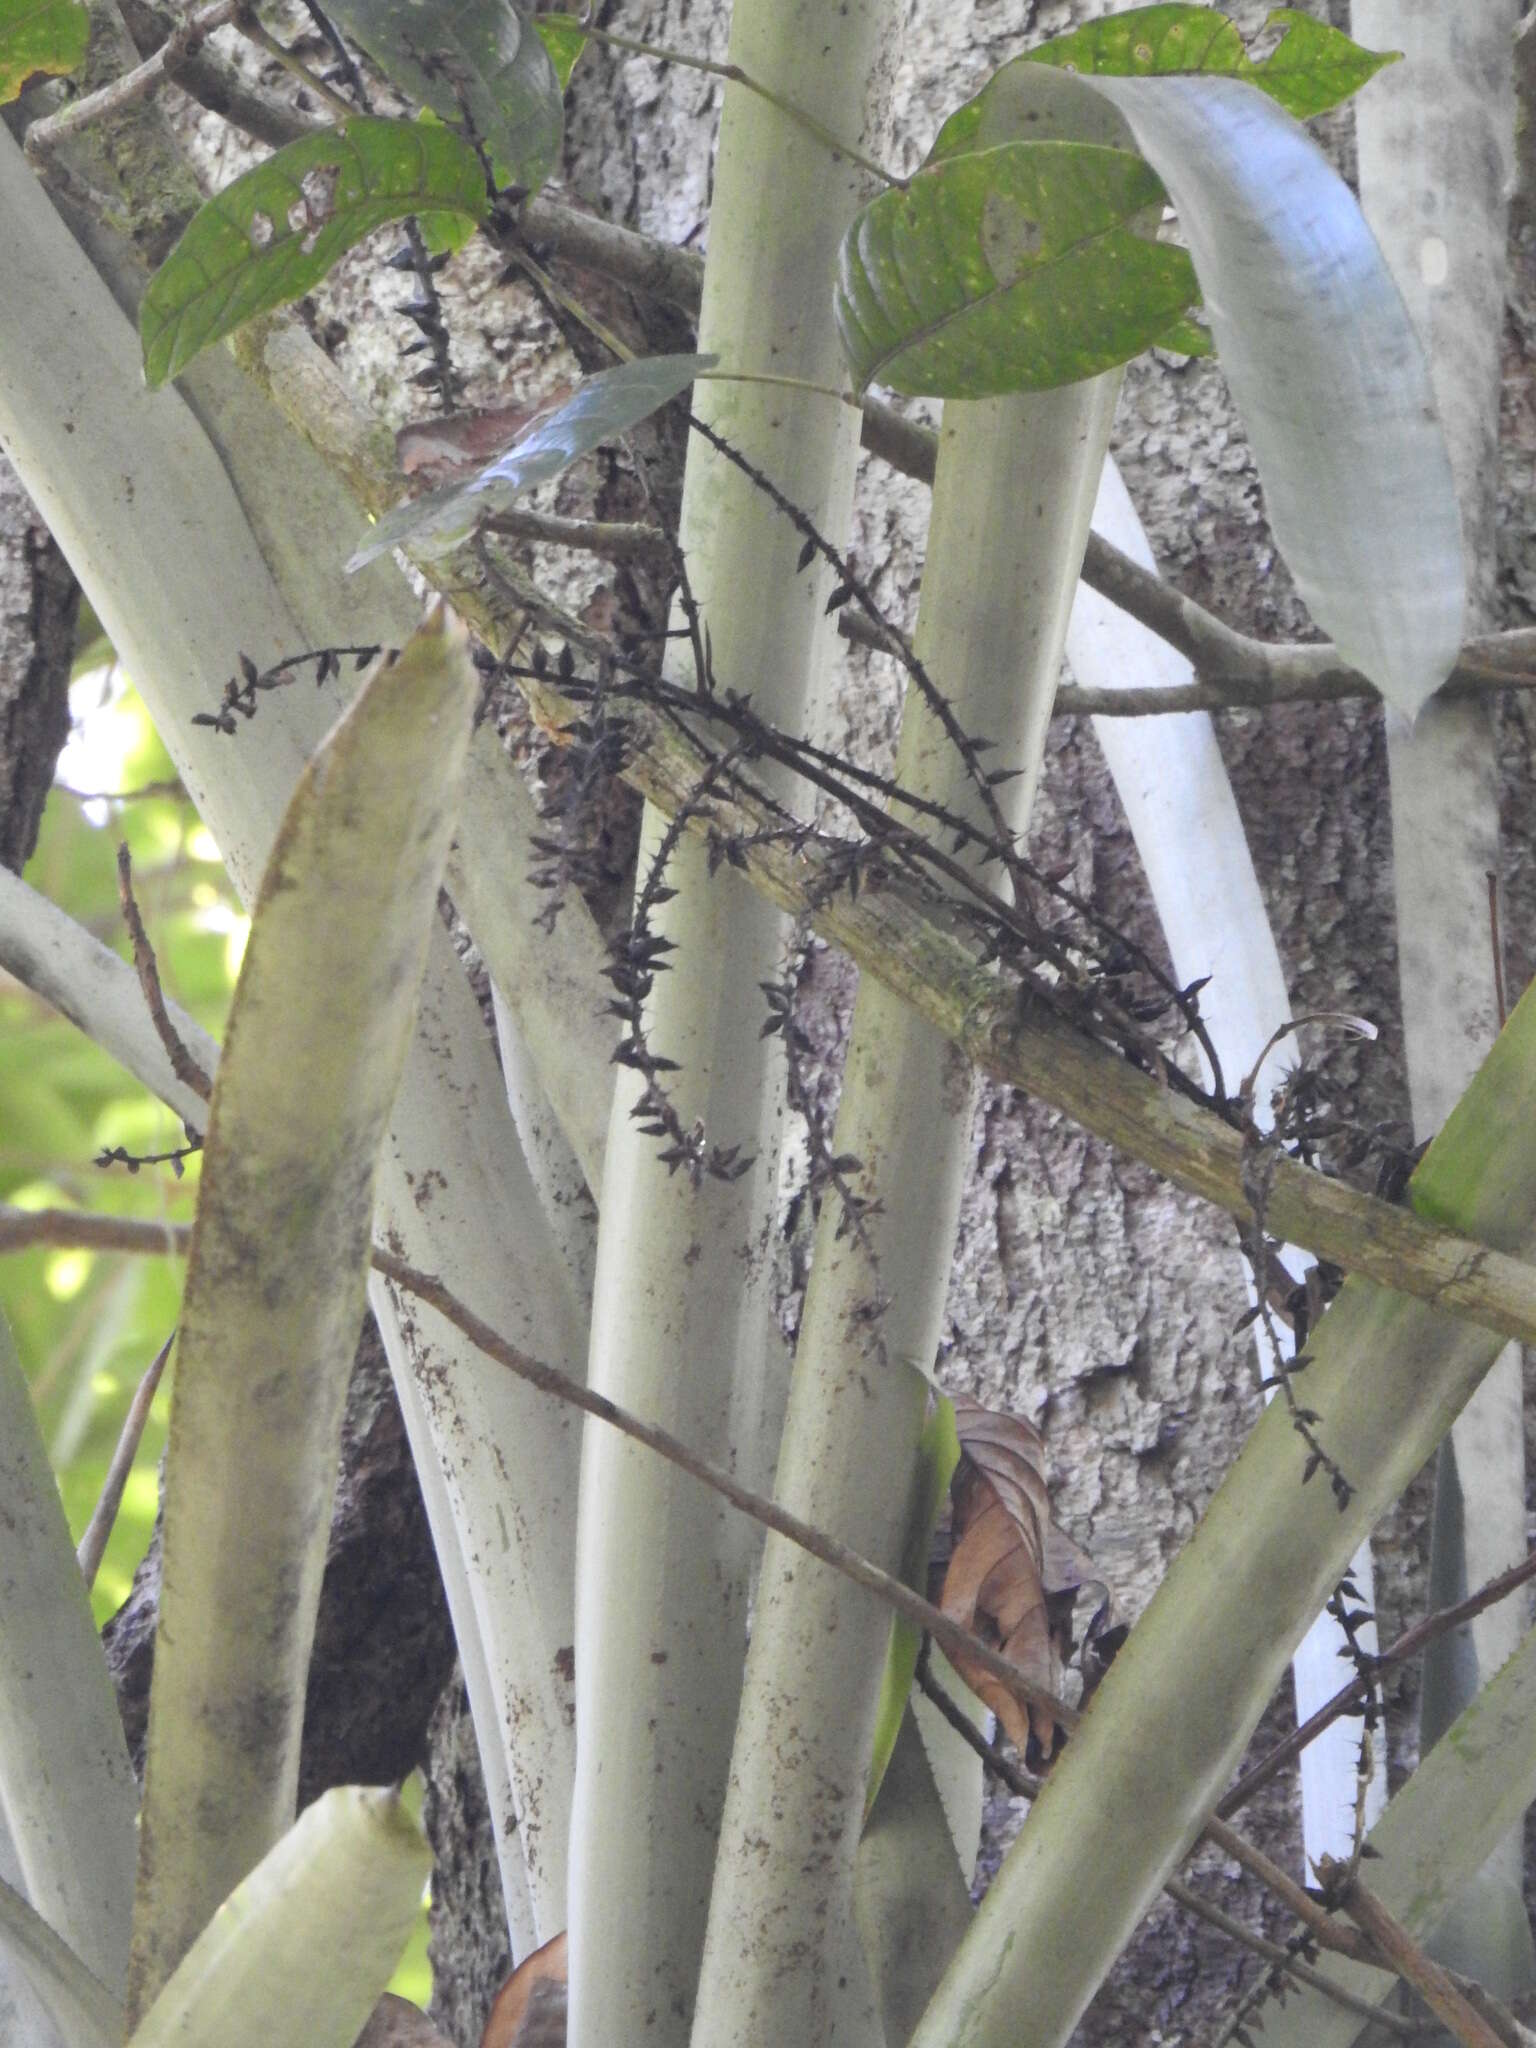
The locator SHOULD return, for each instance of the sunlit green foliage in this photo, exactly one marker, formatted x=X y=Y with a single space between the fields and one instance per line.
x=87 y=1325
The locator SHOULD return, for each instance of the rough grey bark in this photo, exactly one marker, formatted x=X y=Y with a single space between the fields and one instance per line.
x=38 y=601
x=1086 y=1295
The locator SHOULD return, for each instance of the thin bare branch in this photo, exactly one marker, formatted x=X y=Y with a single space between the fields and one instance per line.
x=1348 y=1696
x=133 y=86
x=98 y=1530
x=183 y=1065
x=1416 y=1969
x=615 y=540
x=1027 y=1785
x=1015 y=1031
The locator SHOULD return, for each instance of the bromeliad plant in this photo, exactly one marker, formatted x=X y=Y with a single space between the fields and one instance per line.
x=699 y=1811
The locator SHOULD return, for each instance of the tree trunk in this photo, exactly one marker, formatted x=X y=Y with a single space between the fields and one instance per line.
x=38 y=601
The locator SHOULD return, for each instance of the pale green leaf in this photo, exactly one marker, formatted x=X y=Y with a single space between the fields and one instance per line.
x=476 y=65
x=1017 y=268
x=303 y=1947
x=67 y=1793
x=1325 y=369
x=49 y=36
x=275 y=1287
x=607 y=405
x=938 y=1453
x=84 y=2011
x=275 y=232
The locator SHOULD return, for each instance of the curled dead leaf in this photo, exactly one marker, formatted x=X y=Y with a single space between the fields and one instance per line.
x=1013 y=1577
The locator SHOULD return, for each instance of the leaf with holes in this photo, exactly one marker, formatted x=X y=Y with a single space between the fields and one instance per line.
x=606 y=405
x=272 y=235
x=1018 y=268
x=1311 y=68
x=40 y=36
x=476 y=64
x=1013 y=1576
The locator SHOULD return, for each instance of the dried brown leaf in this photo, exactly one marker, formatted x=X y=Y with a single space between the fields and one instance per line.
x=1013 y=1576
x=529 y=2009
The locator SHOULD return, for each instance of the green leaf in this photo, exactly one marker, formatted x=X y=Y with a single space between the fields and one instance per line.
x=606 y=405
x=1313 y=67
x=1186 y=338
x=277 y=1277
x=39 y=35
x=304 y=1945
x=938 y=1453
x=1010 y=269
x=475 y=64
x=273 y=234
x=565 y=39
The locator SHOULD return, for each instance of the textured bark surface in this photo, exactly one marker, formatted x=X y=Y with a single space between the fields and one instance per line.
x=38 y=602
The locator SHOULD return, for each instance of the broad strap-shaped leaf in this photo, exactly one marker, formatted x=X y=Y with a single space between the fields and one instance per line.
x=607 y=405
x=304 y=1945
x=40 y=36
x=80 y=2005
x=275 y=1287
x=1326 y=371
x=1017 y=268
x=938 y=1453
x=475 y=63
x=1312 y=67
x=67 y=1792
x=275 y=232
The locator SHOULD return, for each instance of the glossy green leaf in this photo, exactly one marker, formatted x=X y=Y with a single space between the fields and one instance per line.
x=1010 y=269
x=565 y=39
x=40 y=36
x=606 y=405
x=938 y=1453
x=303 y=1946
x=1311 y=68
x=475 y=63
x=274 y=233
